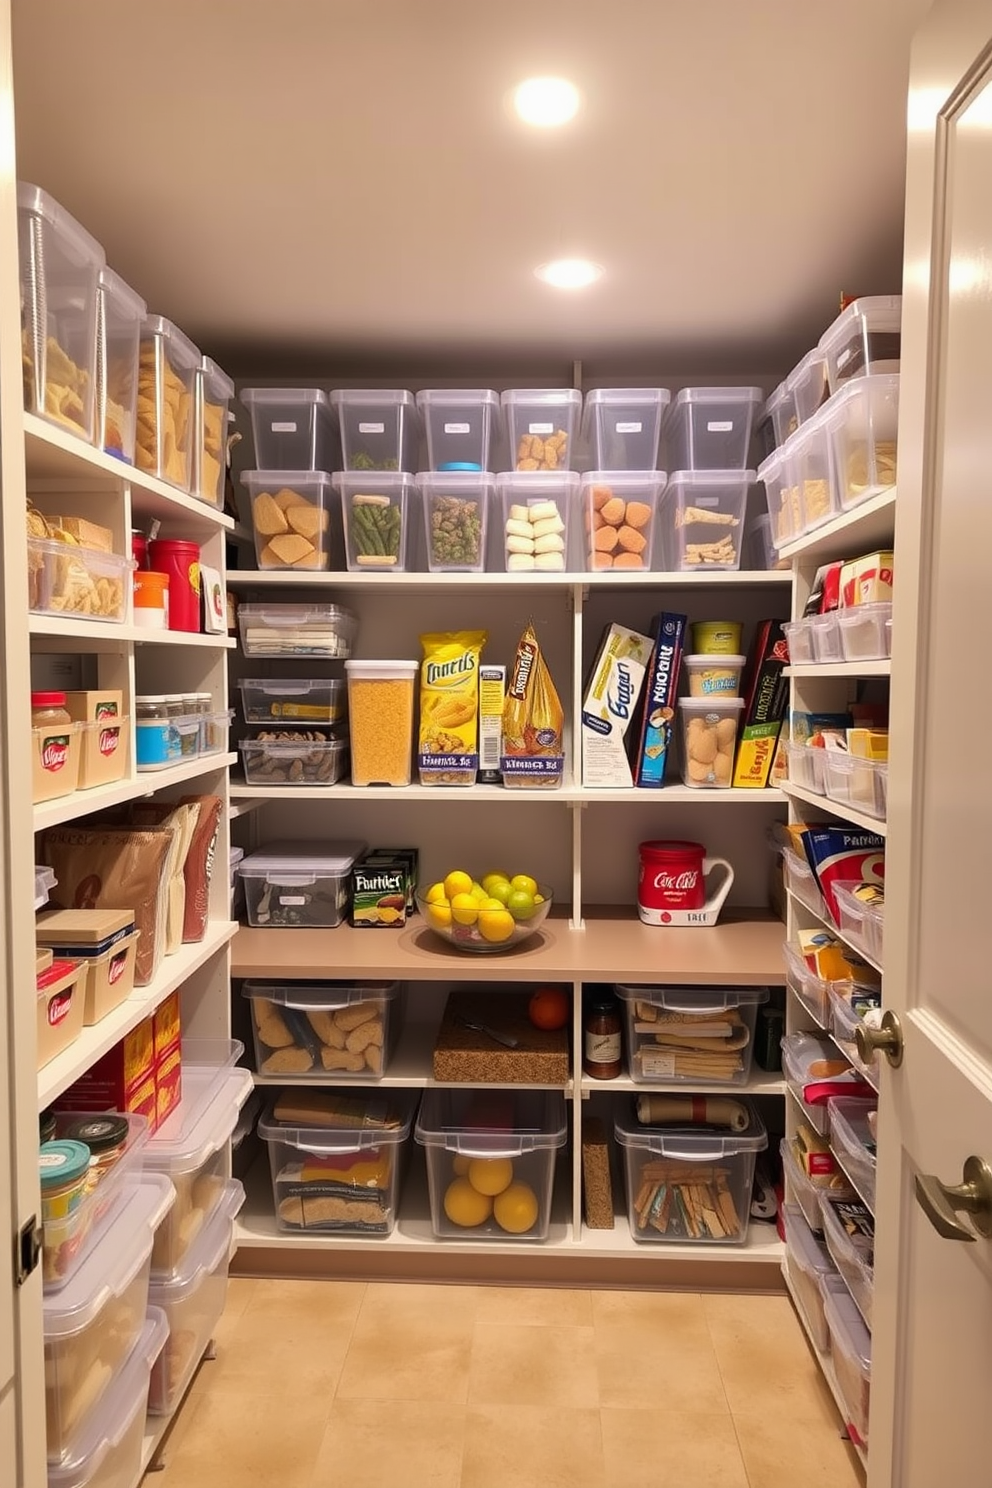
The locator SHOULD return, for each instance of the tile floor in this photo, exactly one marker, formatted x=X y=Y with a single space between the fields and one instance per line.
x=324 y=1384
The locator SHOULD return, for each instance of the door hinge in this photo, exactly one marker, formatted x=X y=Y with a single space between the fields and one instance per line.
x=27 y=1250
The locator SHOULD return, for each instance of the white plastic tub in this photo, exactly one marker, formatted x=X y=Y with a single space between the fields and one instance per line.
x=812 y=456
x=799 y=634
x=827 y=646
x=780 y=415
x=807 y=382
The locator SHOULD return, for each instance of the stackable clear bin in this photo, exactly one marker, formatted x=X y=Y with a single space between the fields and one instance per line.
x=380 y=428
x=855 y=782
x=864 y=339
x=289 y=887
x=60 y=265
x=866 y=631
x=799 y=634
x=291 y=428
x=291 y=518
x=542 y=425
x=807 y=382
x=621 y=427
x=801 y=882
x=807 y=767
x=120 y=314
x=779 y=418
x=702 y=520
x=77 y=583
x=854 y=1264
x=620 y=518
x=167 y=367
x=859 y=923
x=800 y=1052
x=214 y=391
x=808 y=1265
x=462 y=426
x=827 y=646
x=845 y=1020
x=862 y=422
x=67 y=1242
x=293 y=702
x=377 y=512
x=812 y=991
x=324 y=1030
x=778 y=475
x=281 y=630
x=799 y=1187
x=812 y=462
x=854 y=1145
x=710 y=428
x=300 y=762
x=456 y=515
x=542 y=502
x=649 y=1009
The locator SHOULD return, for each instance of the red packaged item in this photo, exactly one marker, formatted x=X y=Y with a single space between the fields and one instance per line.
x=838 y=855
x=181 y=561
x=198 y=868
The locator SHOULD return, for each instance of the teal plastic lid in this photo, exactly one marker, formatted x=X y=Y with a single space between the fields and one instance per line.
x=461 y=465
x=61 y=1162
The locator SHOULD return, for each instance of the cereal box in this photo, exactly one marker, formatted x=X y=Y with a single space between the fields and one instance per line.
x=652 y=733
x=610 y=703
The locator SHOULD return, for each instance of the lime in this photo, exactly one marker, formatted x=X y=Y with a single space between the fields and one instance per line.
x=478 y=892
x=499 y=889
x=520 y=904
x=524 y=883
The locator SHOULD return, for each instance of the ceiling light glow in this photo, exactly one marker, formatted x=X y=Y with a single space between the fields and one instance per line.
x=569 y=273
x=546 y=102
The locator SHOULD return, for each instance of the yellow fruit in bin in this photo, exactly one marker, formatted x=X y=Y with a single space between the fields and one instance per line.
x=490 y=1175
x=496 y=925
x=457 y=883
x=520 y=904
x=460 y=1166
x=464 y=909
x=489 y=879
x=524 y=884
x=478 y=893
x=538 y=898
x=491 y=904
x=436 y=895
x=439 y=915
x=516 y=1208
x=465 y=1205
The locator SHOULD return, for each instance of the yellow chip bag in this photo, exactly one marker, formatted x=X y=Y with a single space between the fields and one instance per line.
x=533 y=756
x=448 y=752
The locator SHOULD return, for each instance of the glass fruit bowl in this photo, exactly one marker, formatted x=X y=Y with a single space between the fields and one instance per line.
x=490 y=931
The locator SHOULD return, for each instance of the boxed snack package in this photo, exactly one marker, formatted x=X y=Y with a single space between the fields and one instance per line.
x=652 y=734
x=610 y=703
x=839 y=855
x=867 y=580
x=766 y=694
x=448 y=750
x=533 y=750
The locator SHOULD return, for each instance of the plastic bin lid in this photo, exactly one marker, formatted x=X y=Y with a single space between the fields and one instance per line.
x=235 y=855
x=625 y=480
x=847 y=1325
x=294 y=479
x=105 y=1428
x=457 y=480
x=382 y=669
x=286 y=616
x=801 y=370
x=693 y=1143
x=885 y=310
x=108 y=1269
x=347 y=1134
x=540 y=483
x=202 y=1122
x=694 y=999
x=221 y=386
x=374 y=397
x=283 y=396
x=777 y=398
x=312 y=995
x=711 y=478
x=292 y=686
x=711 y=704
x=498 y=1123
x=648 y=397
x=121 y=292
x=541 y=397
x=380 y=480
x=811 y=1253
x=751 y=395
x=772 y=463
x=32 y=199
x=457 y=398
x=333 y=859
x=180 y=346
x=211 y=1246
x=834 y=411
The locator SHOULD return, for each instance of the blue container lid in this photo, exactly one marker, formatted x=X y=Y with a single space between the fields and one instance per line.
x=460 y=465
x=62 y=1162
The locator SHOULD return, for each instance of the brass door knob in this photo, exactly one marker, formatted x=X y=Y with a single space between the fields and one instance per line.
x=886 y=1040
x=941 y=1202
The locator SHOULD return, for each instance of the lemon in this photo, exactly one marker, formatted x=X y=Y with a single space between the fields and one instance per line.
x=520 y=904
x=494 y=878
x=464 y=909
x=478 y=893
x=516 y=1209
x=490 y=1175
x=436 y=895
x=457 y=883
x=524 y=884
x=466 y=1206
x=495 y=925
x=491 y=904
x=439 y=915
x=538 y=898
x=460 y=1166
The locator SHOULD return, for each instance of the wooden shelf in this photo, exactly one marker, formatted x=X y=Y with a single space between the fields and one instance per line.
x=85 y=803
x=94 y=1042
x=54 y=454
x=745 y=949
x=835 y=808
x=669 y=795
x=826 y=1367
x=825 y=672
x=110 y=637
x=429 y=582
x=857 y=530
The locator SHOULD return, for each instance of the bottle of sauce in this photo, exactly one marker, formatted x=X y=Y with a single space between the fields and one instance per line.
x=602 y=1045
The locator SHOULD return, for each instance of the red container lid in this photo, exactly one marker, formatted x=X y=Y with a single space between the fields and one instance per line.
x=671 y=848
x=48 y=700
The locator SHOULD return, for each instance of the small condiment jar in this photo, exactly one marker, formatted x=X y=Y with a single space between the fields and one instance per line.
x=55 y=758
x=601 y=1029
x=63 y=1168
x=106 y=1139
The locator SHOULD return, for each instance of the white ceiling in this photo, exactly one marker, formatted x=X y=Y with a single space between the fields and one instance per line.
x=341 y=177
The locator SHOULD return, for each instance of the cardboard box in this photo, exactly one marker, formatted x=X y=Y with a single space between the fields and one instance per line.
x=378 y=895
x=167 y=1038
x=652 y=734
x=492 y=694
x=136 y=1075
x=868 y=579
x=766 y=697
x=610 y=704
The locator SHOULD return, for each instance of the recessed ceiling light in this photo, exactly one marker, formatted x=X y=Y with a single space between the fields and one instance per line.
x=546 y=102
x=570 y=273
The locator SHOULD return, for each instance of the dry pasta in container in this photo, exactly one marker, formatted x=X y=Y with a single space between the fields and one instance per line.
x=380 y=708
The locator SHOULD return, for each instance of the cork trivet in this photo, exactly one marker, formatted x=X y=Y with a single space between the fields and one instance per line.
x=597 y=1187
x=464 y=1054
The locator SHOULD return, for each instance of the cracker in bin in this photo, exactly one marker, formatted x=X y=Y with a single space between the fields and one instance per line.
x=533 y=754
x=448 y=752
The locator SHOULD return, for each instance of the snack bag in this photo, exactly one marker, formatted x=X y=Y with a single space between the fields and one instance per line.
x=448 y=753
x=533 y=756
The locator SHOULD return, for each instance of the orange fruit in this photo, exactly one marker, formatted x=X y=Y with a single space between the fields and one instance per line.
x=515 y=1209
x=549 y=1008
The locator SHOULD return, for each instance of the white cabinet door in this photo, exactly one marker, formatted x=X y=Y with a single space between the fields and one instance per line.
x=932 y=1337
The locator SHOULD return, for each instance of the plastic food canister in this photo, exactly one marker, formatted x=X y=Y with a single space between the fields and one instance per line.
x=151 y=599
x=181 y=561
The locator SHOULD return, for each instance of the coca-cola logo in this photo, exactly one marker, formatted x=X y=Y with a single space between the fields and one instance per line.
x=116 y=968
x=54 y=753
x=58 y=1009
x=109 y=739
x=677 y=882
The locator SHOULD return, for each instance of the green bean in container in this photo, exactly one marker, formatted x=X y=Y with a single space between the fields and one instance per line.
x=455 y=530
x=375 y=526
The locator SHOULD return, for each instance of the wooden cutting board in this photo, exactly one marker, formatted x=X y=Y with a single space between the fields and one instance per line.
x=464 y=1054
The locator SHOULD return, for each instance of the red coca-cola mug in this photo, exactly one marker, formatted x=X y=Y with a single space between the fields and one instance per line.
x=674 y=887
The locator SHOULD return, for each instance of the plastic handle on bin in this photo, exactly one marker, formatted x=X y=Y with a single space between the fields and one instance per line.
x=820 y=1091
x=696 y=1155
x=487 y=1152
x=347 y=1144
x=293 y=881
x=285 y=689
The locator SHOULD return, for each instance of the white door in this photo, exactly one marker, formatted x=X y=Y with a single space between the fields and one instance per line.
x=932 y=1333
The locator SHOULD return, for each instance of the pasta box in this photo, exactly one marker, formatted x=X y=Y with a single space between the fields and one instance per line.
x=103 y=941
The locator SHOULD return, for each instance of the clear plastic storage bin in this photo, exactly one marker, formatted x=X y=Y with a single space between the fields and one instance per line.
x=808 y=1265
x=193 y=1302
x=380 y=428
x=296 y=630
x=289 y=887
x=537 y=519
x=542 y=425
x=709 y=738
x=167 y=366
x=847 y=1009
x=379 y=690
x=854 y=1145
x=620 y=514
x=661 y=1021
x=799 y=635
x=800 y=880
x=71 y=1234
x=190 y=1147
x=120 y=315
x=860 y=923
x=806 y=1058
x=456 y=513
x=214 y=391
x=689 y=1184
x=849 y=1234
x=807 y=382
x=343 y=1175
x=710 y=428
x=850 y=1347
x=290 y=514
x=462 y=426
x=92 y=1325
x=291 y=428
x=60 y=265
x=807 y=767
x=812 y=991
x=866 y=631
x=780 y=415
x=343 y=1030
x=800 y=1189
x=702 y=520
x=106 y=1452
x=811 y=454
x=77 y=583
x=491 y=1161
x=294 y=761
x=778 y=475
x=854 y=782
x=827 y=646
x=44 y=883
x=377 y=512
x=862 y=422
x=290 y=702
x=621 y=427
x=864 y=339
x=759 y=545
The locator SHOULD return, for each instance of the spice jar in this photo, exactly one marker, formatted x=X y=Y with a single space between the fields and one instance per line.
x=106 y=1138
x=601 y=1052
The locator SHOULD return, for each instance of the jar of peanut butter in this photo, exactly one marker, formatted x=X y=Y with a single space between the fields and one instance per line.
x=55 y=755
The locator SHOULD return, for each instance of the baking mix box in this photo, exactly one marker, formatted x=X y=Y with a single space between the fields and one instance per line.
x=141 y=1075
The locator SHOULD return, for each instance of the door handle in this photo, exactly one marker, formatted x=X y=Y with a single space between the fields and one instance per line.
x=885 y=1040
x=942 y=1202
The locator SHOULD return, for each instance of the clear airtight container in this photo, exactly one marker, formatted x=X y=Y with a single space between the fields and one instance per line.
x=462 y=425
x=542 y=425
x=214 y=391
x=379 y=428
x=376 y=512
x=456 y=514
x=621 y=427
x=290 y=514
x=291 y=428
x=120 y=315
x=536 y=509
x=710 y=428
x=167 y=364
x=380 y=710
x=60 y=264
